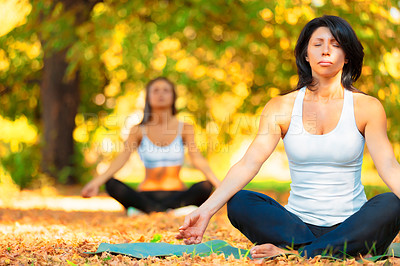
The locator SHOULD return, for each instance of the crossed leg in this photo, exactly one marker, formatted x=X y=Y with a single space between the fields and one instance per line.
x=150 y=201
x=267 y=223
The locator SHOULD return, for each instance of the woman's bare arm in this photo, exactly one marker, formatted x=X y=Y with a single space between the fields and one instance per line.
x=379 y=146
x=92 y=188
x=196 y=158
x=238 y=176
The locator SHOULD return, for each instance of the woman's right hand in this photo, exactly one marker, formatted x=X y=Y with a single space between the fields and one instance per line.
x=91 y=189
x=193 y=227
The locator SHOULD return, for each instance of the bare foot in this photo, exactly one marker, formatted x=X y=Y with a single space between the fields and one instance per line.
x=266 y=250
x=362 y=257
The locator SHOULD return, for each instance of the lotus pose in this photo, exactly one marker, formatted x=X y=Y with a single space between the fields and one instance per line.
x=160 y=140
x=324 y=124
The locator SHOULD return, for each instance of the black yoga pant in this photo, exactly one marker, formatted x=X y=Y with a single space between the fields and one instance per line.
x=370 y=230
x=158 y=201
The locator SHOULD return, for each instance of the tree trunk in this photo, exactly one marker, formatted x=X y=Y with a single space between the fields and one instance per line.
x=60 y=100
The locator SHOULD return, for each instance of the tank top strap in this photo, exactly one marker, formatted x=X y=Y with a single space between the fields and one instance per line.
x=180 y=126
x=298 y=104
x=348 y=101
x=143 y=130
x=348 y=108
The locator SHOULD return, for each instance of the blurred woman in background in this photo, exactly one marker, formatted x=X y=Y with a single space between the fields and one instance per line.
x=159 y=140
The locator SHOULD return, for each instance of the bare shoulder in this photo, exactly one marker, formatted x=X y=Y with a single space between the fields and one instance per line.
x=282 y=103
x=367 y=106
x=368 y=110
x=187 y=132
x=187 y=128
x=280 y=107
x=135 y=134
x=365 y=99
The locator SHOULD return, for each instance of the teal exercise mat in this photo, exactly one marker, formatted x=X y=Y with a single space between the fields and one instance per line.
x=143 y=250
x=393 y=251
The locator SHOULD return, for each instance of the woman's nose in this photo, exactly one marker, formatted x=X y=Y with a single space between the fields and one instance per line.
x=326 y=50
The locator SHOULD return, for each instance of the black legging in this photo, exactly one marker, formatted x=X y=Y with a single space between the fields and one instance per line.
x=158 y=201
x=263 y=220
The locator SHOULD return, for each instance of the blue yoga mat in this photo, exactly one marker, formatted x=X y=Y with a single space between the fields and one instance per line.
x=143 y=250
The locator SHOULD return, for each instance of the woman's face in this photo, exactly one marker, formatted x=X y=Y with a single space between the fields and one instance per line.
x=161 y=94
x=324 y=54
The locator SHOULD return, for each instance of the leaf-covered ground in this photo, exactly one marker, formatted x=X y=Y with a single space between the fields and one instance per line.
x=50 y=229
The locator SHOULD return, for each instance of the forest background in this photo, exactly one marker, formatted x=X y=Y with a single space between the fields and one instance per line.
x=72 y=78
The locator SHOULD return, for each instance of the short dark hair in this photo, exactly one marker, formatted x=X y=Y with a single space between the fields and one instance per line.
x=147 y=107
x=345 y=36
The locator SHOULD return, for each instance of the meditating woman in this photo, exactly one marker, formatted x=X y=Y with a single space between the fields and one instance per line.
x=324 y=124
x=160 y=140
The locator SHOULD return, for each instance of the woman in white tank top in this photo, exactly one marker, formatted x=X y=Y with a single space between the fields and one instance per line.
x=324 y=124
x=160 y=140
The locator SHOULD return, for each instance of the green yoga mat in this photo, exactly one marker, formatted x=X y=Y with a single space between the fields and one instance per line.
x=143 y=250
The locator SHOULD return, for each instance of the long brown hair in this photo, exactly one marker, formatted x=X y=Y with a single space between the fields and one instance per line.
x=147 y=107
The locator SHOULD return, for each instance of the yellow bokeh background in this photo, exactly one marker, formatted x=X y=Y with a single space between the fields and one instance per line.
x=103 y=134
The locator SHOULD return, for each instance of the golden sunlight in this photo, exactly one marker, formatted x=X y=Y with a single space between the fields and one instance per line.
x=13 y=13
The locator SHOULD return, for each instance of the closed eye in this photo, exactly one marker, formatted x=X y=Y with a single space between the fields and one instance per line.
x=335 y=43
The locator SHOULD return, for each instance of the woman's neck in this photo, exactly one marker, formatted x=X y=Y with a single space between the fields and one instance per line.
x=327 y=89
x=161 y=116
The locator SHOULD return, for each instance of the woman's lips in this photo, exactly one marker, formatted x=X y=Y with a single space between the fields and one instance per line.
x=325 y=63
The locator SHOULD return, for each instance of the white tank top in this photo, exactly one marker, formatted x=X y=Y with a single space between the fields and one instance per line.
x=325 y=169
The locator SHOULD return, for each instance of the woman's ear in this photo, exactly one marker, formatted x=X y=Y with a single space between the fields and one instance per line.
x=346 y=60
x=306 y=58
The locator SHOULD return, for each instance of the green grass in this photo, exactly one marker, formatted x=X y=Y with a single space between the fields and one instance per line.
x=283 y=187
x=280 y=187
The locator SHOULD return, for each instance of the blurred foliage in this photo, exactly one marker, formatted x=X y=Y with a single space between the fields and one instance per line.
x=17 y=150
x=281 y=189
x=227 y=60
x=22 y=165
x=8 y=188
